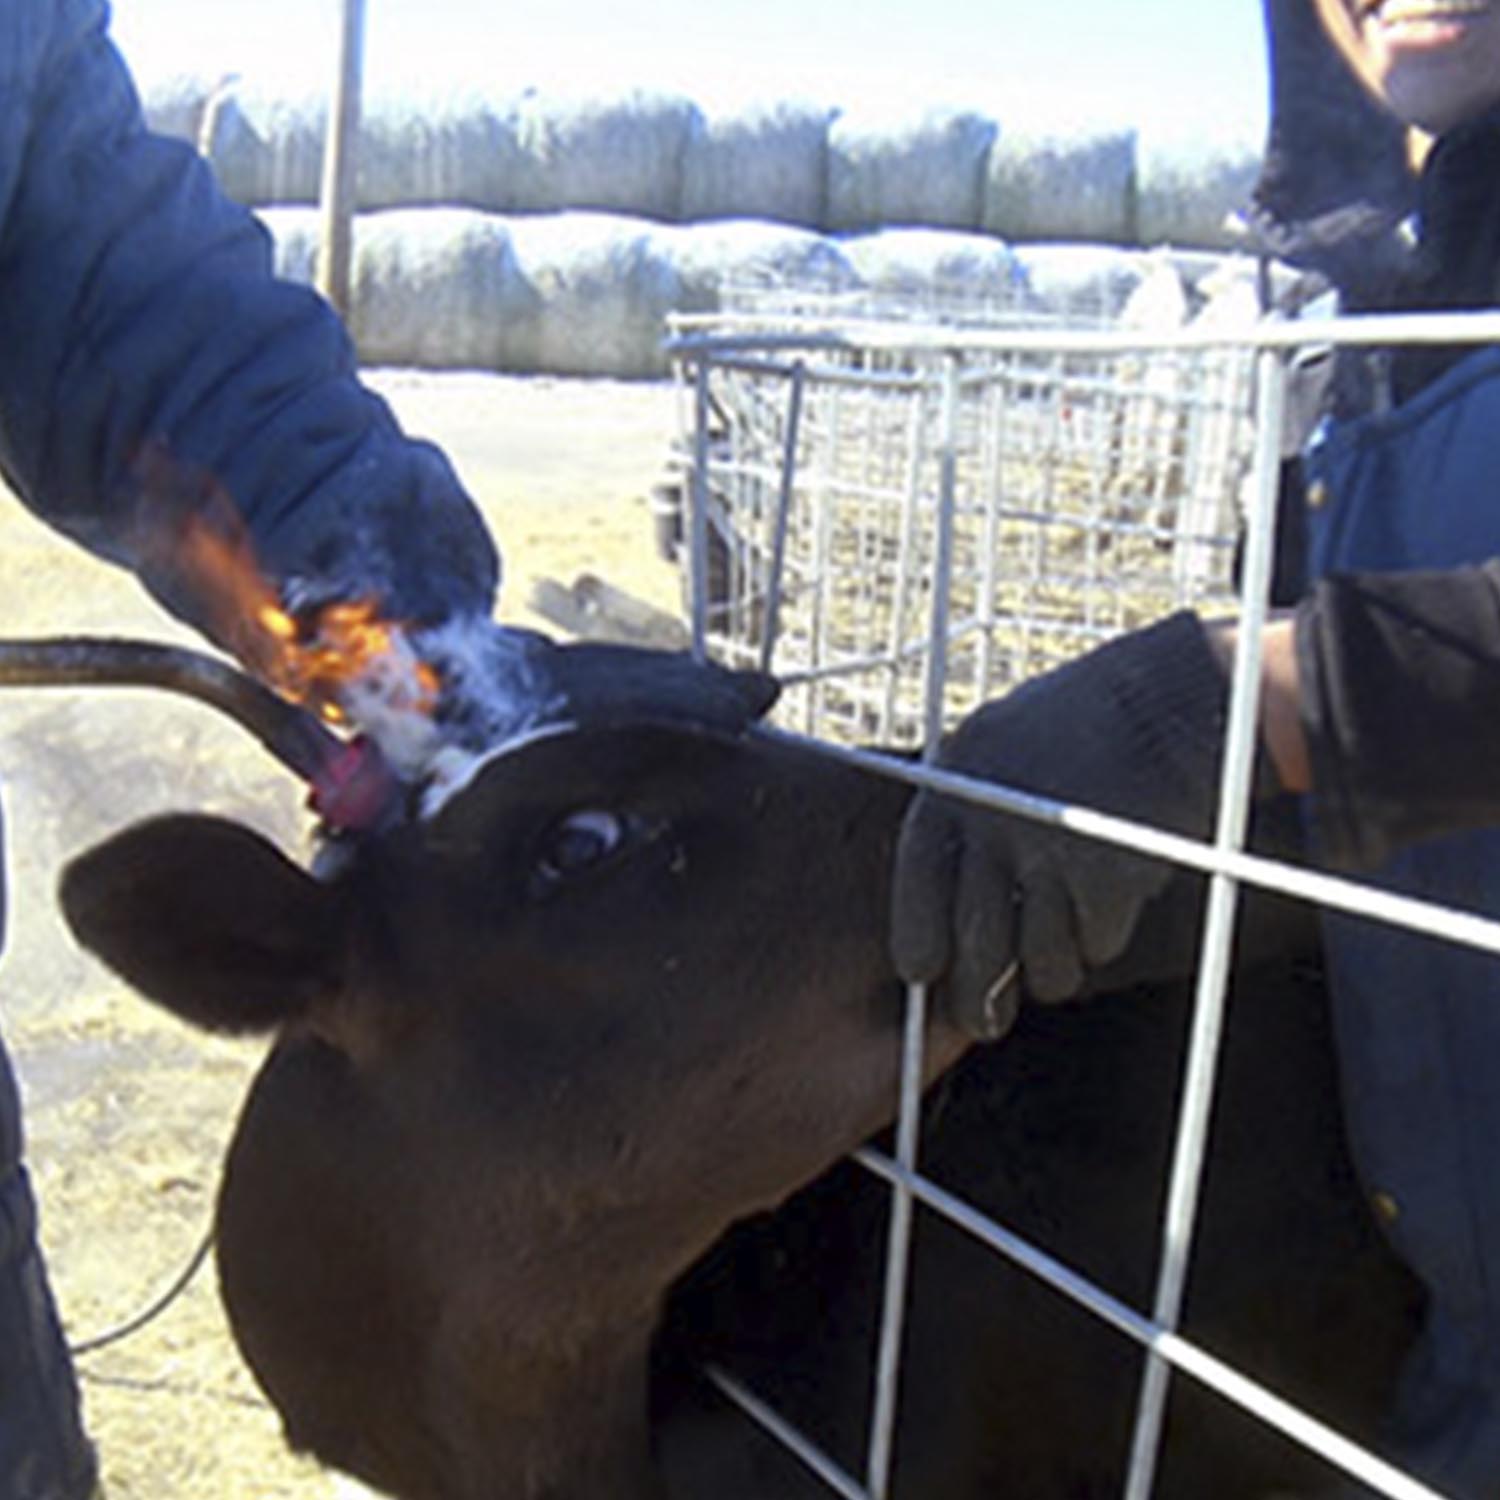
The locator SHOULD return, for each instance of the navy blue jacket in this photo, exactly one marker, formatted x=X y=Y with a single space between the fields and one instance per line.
x=150 y=361
x=1384 y=652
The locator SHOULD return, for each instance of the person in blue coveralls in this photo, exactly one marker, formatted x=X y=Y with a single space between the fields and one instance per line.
x=1381 y=690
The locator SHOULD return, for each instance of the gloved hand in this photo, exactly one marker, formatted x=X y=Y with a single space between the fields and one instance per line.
x=994 y=906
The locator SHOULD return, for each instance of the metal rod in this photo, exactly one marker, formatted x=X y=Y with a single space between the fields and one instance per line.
x=823 y=610
x=291 y=733
x=908 y=1123
x=901 y=586
x=787 y=1435
x=341 y=164
x=1249 y=869
x=1365 y=329
x=990 y=481
x=898 y=1251
x=1235 y=786
x=783 y=515
x=698 y=513
x=1173 y=1348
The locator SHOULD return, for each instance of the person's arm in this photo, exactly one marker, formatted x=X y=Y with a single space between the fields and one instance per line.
x=1283 y=739
x=1397 y=681
x=1380 y=697
x=151 y=364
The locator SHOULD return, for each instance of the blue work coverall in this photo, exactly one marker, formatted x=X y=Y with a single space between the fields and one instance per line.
x=1401 y=476
x=1417 y=1020
x=143 y=336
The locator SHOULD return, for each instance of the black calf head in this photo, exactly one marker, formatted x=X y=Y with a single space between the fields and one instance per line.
x=534 y=1056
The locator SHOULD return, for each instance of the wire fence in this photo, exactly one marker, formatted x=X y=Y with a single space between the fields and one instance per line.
x=903 y=521
x=1091 y=492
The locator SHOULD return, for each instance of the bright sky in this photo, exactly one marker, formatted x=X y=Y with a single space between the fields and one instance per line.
x=1184 y=67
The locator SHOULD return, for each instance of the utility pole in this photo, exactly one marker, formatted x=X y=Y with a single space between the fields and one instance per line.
x=341 y=163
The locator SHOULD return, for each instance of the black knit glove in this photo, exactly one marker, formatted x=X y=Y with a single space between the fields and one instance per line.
x=994 y=905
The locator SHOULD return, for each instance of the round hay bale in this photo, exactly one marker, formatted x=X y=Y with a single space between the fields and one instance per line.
x=174 y=106
x=434 y=288
x=438 y=288
x=1061 y=186
x=940 y=270
x=265 y=148
x=767 y=161
x=414 y=148
x=922 y=169
x=294 y=233
x=1088 y=282
x=440 y=147
x=623 y=154
x=1191 y=192
x=715 y=260
x=602 y=287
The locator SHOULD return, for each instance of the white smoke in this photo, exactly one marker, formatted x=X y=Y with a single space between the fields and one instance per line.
x=493 y=693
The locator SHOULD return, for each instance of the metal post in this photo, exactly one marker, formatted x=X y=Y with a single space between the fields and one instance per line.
x=908 y=1122
x=1218 y=934
x=784 y=499
x=698 y=510
x=341 y=164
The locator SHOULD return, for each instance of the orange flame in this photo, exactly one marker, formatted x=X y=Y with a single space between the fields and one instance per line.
x=310 y=662
x=352 y=641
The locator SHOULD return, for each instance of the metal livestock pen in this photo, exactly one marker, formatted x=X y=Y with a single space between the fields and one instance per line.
x=903 y=518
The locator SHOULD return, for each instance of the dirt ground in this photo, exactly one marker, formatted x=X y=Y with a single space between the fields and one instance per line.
x=128 y=1112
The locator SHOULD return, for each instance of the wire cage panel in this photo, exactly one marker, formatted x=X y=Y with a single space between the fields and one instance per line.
x=1093 y=492
x=904 y=521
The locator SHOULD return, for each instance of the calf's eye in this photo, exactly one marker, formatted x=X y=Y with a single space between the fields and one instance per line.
x=576 y=843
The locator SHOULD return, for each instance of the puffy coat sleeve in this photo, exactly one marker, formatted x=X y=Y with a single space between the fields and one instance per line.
x=149 y=359
x=1400 y=688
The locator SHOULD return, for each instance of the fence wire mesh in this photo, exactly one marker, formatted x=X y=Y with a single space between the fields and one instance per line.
x=1093 y=492
x=905 y=521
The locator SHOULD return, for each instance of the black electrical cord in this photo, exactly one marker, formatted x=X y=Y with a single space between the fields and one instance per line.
x=153 y=1310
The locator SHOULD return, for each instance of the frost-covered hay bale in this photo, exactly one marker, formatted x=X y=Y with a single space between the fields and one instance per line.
x=923 y=169
x=174 y=106
x=1055 y=185
x=623 y=153
x=437 y=288
x=1158 y=302
x=265 y=147
x=766 y=161
x=1089 y=282
x=1188 y=193
x=440 y=147
x=714 y=260
x=294 y=233
x=940 y=270
x=602 y=287
x=415 y=148
x=1150 y=417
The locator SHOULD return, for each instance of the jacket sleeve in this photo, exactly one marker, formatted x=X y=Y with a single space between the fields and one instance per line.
x=150 y=363
x=1400 y=690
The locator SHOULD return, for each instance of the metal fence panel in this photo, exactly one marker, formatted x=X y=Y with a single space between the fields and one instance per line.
x=905 y=520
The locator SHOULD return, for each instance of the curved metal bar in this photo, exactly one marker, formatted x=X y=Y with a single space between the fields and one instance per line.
x=296 y=737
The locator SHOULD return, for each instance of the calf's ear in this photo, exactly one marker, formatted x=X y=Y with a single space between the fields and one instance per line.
x=208 y=919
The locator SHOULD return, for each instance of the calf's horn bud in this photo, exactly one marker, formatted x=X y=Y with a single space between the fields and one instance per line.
x=352 y=787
